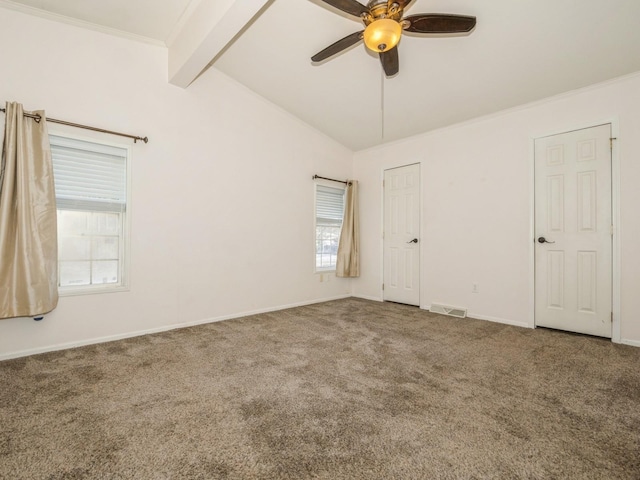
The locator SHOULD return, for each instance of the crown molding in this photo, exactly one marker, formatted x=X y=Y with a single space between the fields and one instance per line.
x=10 y=5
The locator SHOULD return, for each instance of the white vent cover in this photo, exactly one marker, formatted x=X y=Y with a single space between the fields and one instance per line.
x=448 y=310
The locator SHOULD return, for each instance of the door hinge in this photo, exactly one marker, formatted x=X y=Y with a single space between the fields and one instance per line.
x=383 y=286
x=611 y=317
x=611 y=230
x=611 y=142
x=382 y=183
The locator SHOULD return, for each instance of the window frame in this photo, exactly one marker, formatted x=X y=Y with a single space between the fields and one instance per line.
x=125 y=244
x=323 y=183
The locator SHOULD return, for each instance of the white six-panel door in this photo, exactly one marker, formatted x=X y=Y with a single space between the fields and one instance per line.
x=573 y=230
x=402 y=235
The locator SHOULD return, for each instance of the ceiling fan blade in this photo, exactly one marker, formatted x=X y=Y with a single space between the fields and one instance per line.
x=337 y=47
x=390 y=62
x=352 y=7
x=439 y=23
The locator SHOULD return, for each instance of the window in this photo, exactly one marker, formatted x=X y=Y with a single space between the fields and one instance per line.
x=91 y=197
x=329 y=214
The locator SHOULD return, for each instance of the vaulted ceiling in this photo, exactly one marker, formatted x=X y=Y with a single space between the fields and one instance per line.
x=520 y=51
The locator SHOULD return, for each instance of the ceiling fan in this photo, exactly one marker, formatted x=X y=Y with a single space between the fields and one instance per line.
x=384 y=21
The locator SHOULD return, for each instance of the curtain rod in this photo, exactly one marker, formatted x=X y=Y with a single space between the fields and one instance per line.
x=37 y=118
x=331 y=179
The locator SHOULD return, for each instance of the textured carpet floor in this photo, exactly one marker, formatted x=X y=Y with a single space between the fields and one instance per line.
x=350 y=389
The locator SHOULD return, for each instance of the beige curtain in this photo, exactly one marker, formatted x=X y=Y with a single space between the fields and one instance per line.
x=28 y=232
x=348 y=262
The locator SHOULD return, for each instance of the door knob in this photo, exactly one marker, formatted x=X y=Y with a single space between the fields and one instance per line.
x=415 y=240
x=544 y=240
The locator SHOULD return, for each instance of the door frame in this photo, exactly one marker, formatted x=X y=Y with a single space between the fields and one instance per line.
x=615 y=218
x=421 y=230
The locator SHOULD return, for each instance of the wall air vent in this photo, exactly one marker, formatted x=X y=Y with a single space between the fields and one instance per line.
x=448 y=310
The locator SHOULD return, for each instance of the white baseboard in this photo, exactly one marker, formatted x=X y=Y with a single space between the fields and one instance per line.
x=90 y=341
x=111 y=338
x=489 y=318
x=262 y=310
x=368 y=297
x=164 y=328
x=506 y=321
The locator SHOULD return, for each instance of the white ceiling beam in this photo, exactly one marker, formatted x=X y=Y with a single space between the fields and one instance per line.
x=208 y=30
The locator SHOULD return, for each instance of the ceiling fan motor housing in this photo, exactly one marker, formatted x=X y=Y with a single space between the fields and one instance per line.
x=382 y=9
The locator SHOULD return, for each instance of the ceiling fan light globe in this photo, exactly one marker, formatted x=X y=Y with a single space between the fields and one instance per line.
x=382 y=35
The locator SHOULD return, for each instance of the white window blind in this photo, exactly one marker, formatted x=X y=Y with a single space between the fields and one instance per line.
x=88 y=175
x=329 y=205
x=329 y=214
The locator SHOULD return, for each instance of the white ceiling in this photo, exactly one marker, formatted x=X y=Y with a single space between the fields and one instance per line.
x=520 y=51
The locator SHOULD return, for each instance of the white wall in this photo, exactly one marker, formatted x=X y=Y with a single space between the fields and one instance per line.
x=222 y=197
x=476 y=204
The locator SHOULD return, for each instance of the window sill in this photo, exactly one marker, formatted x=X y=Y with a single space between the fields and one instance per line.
x=72 y=292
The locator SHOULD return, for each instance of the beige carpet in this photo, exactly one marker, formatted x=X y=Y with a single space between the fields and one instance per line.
x=350 y=389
